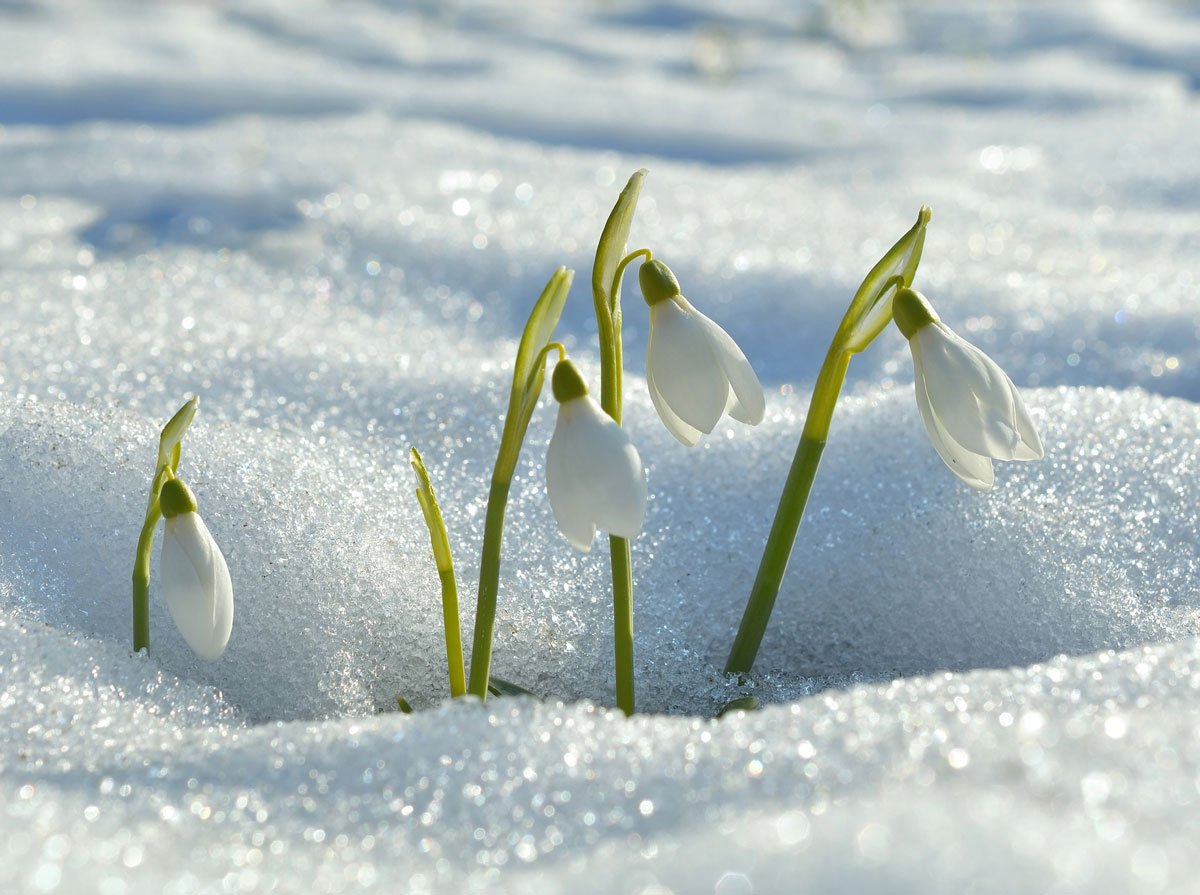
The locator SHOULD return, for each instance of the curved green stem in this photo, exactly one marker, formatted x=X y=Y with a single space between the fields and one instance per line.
x=620 y=558
x=792 y=502
x=794 y=499
x=489 y=586
x=868 y=315
x=550 y=346
x=615 y=290
x=141 y=580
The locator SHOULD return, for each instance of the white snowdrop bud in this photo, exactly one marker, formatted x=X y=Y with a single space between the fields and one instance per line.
x=971 y=409
x=195 y=578
x=594 y=476
x=695 y=372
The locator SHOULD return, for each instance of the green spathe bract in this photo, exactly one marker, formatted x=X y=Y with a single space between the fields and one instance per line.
x=869 y=313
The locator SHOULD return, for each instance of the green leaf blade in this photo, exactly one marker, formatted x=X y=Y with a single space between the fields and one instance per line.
x=439 y=539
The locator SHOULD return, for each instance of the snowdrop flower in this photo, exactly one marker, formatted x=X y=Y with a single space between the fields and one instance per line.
x=971 y=409
x=195 y=579
x=696 y=373
x=594 y=476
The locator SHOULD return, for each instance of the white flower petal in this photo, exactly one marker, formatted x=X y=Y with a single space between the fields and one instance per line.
x=689 y=435
x=680 y=358
x=973 y=469
x=568 y=498
x=746 y=402
x=611 y=471
x=196 y=585
x=974 y=399
x=1030 y=447
x=594 y=476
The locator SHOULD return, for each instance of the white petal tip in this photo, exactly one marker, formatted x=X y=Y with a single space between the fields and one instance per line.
x=580 y=546
x=1028 y=452
x=687 y=439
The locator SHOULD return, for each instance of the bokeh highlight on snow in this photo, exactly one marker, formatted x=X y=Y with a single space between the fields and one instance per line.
x=330 y=221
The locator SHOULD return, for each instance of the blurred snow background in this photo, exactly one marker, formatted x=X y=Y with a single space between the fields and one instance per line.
x=330 y=220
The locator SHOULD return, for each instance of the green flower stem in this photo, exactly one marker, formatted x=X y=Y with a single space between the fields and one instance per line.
x=528 y=376
x=489 y=563
x=869 y=313
x=141 y=581
x=792 y=502
x=622 y=579
x=620 y=558
x=489 y=587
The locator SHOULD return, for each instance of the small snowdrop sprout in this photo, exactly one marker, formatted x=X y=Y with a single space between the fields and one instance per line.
x=971 y=409
x=195 y=578
x=695 y=372
x=170 y=442
x=594 y=476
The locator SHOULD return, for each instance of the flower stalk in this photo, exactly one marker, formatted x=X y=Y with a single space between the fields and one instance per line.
x=609 y=268
x=869 y=313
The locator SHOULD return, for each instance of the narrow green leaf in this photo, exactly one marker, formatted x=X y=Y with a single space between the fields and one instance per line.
x=499 y=687
x=871 y=308
x=402 y=704
x=440 y=541
x=613 y=240
x=741 y=704
x=438 y=537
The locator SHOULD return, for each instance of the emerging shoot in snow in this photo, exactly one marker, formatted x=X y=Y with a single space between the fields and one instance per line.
x=195 y=578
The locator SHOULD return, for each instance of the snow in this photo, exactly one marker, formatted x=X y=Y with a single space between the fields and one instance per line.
x=330 y=221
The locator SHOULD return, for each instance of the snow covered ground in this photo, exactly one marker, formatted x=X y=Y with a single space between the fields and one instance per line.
x=330 y=221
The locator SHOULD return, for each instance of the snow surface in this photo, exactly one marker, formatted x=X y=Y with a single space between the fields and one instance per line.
x=330 y=221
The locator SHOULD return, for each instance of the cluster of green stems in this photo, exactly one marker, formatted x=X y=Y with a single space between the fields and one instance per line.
x=868 y=314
